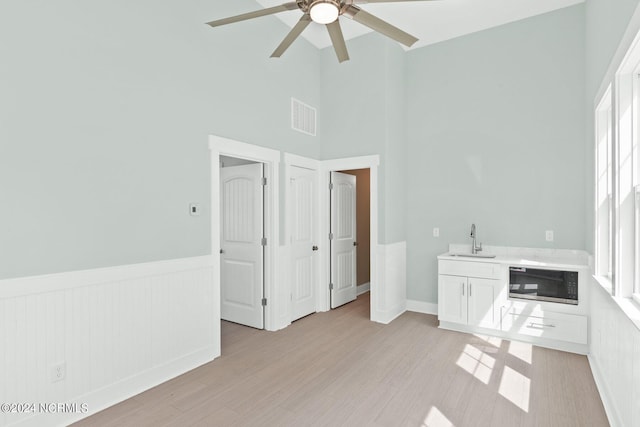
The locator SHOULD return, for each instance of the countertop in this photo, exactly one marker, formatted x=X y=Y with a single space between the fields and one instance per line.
x=529 y=257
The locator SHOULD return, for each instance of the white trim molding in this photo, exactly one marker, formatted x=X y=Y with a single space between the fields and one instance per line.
x=363 y=289
x=220 y=146
x=118 y=330
x=422 y=307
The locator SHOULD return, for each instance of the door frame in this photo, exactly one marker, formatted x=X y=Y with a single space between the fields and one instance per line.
x=220 y=146
x=372 y=162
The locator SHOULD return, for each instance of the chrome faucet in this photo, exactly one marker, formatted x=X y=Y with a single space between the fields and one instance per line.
x=474 y=248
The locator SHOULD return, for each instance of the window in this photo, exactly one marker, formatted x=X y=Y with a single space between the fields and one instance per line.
x=604 y=188
x=617 y=132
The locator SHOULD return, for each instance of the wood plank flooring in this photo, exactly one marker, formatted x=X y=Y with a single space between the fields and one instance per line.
x=338 y=368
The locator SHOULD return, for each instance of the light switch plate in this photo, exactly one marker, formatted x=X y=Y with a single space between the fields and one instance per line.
x=436 y=232
x=549 y=235
x=194 y=209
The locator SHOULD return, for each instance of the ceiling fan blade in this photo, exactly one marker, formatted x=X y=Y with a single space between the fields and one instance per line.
x=258 y=13
x=385 y=1
x=293 y=34
x=377 y=24
x=339 y=45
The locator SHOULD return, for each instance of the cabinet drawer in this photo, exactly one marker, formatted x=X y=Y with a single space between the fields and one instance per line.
x=548 y=325
x=485 y=270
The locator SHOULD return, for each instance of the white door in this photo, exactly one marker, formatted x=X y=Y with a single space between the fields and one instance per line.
x=303 y=242
x=452 y=299
x=482 y=303
x=241 y=250
x=343 y=238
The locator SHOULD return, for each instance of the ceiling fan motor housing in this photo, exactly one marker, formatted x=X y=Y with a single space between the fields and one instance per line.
x=324 y=11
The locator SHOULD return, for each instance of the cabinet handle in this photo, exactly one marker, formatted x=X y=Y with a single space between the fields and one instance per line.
x=462 y=288
x=541 y=325
x=470 y=287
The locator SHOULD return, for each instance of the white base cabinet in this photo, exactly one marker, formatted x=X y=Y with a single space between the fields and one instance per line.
x=522 y=320
x=452 y=299
x=472 y=297
x=484 y=308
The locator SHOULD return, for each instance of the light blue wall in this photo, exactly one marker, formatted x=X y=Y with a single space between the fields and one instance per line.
x=106 y=108
x=105 y=112
x=395 y=154
x=496 y=137
x=364 y=112
x=606 y=22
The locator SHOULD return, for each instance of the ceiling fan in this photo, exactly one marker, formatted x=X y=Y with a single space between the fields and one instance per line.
x=326 y=12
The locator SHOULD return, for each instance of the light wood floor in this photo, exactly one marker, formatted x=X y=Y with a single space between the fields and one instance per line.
x=338 y=368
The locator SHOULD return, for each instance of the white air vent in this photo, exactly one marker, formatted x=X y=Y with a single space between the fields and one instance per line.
x=303 y=117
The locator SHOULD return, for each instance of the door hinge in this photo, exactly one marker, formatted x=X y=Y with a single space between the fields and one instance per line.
x=263 y=242
x=264 y=180
x=330 y=286
x=330 y=236
x=330 y=186
x=264 y=302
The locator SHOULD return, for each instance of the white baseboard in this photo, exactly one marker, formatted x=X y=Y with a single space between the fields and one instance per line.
x=119 y=330
x=392 y=314
x=605 y=395
x=361 y=289
x=422 y=307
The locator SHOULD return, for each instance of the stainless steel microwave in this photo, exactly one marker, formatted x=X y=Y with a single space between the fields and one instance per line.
x=543 y=285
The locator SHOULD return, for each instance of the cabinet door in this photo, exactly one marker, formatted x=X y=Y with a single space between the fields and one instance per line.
x=452 y=299
x=483 y=305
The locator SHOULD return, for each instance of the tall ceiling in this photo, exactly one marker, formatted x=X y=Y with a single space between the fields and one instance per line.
x=429 y=21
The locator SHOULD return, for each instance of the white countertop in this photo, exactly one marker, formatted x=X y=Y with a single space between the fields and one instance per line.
x=531 y=257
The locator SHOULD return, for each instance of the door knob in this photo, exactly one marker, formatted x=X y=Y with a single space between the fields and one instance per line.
x=355 y=243
x=221 y=251
x=314 y=248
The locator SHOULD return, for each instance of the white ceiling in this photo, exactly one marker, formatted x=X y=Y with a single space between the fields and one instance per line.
x=430 y=21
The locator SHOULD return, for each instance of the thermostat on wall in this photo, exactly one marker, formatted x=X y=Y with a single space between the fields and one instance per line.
x=194 y=209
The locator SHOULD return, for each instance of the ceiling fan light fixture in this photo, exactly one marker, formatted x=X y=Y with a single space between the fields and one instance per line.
x=324 y=11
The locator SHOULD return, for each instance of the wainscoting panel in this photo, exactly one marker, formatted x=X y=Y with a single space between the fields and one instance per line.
x=391 y=299
x=615 y=358
x=118 y=331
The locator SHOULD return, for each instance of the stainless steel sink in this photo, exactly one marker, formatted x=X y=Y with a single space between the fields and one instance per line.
x=474 y=255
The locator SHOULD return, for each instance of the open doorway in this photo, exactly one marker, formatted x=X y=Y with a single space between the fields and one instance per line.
x=268 y=159
x=363 y=225
x=242 y=241
x=377 y=294
x=349 y=235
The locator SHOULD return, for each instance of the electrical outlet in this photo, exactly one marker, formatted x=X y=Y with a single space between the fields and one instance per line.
x=58 y=372
x=549 y=235
x=436 y=232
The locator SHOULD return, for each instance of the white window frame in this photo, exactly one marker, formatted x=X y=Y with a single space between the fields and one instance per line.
x=604 y=230
x=635 y=190
x=636 y=286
